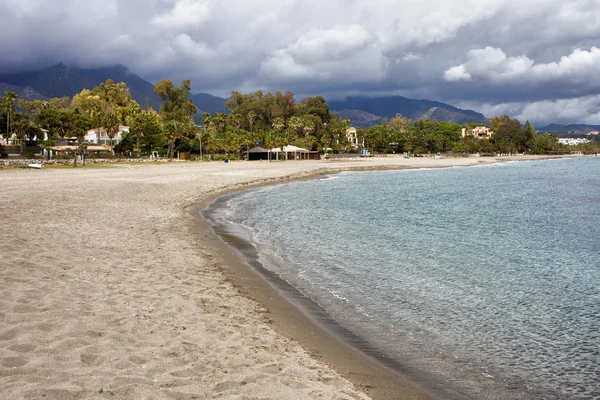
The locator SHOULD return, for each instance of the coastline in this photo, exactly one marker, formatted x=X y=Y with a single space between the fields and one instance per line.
x=127 y=294
x=301 y=319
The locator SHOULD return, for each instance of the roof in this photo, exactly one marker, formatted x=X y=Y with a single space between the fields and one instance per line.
x=290 y=149
x=257 y=149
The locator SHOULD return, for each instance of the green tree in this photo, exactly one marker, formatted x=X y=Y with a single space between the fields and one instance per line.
x=20 y=127
x=8 y=103
x=152 y=136
x=278 y=124
x=545 y=144
x=220 y=121
x=251 y=118
x=508 y=135
x=111 y=125
x=80 y=123
x=176 y=103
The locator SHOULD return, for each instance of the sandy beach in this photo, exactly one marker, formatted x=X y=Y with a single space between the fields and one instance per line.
x=111 y=286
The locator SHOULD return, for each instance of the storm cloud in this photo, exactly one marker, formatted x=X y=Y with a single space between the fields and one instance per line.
x=537 y=59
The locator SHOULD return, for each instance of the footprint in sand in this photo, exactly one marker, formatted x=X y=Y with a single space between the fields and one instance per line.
x=227 y=385
x=13 y=362
x=25 y=308
x=8 y=334
x=23 y=348
x=137 y=360
x=46 y=327
x=92 y=359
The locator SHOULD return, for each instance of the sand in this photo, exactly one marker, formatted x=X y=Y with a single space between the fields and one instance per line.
x=111 y=287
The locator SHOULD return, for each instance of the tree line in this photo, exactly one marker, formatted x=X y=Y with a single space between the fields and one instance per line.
x=259 y=118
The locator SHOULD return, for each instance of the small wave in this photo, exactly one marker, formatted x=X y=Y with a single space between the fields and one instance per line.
x=329 y=178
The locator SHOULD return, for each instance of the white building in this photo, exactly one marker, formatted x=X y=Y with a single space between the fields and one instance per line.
x=352 y=136
x=572 y=141
x=99 y=136
x=479 y=132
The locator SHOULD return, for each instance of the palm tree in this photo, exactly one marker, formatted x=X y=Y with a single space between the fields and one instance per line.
x=206 y=120
x=175 y=129
x=278 y=124
x=97 y=116
x=251 y=117
x=136 y=126
x=296 y=123
x=8 y=101
x=219 y=119
x=111 y=125
x=308 y=126
x=171 y=129
x=236 y=119
x=21 y=125
x=80 y=124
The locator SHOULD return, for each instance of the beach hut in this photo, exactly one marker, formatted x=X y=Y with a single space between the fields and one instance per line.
x=258 y=153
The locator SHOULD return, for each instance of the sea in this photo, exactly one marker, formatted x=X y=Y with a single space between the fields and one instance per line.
x=478 y=282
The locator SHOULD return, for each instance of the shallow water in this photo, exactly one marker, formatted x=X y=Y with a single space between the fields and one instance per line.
x=488 y=277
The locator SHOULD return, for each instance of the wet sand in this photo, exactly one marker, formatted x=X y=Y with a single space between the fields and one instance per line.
x=112 y=286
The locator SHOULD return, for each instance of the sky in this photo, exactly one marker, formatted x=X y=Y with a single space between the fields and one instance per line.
x=533 y=59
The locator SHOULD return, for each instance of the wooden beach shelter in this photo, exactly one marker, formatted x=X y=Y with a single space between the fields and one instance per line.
x=258 y=153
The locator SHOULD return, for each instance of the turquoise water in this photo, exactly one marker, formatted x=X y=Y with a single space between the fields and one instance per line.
x=487 y=278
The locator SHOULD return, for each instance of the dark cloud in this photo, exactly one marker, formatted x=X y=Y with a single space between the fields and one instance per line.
x=492 y=55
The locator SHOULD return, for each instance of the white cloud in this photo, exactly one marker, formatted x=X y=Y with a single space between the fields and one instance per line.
x=584 y=109
x=336 y=54
x=491 y=64
x=501 y=51
x=457 y=73
x=185 y=13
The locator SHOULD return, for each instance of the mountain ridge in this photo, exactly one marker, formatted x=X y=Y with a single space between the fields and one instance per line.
x=62 y=80
x=575 y=129
x=388 y=107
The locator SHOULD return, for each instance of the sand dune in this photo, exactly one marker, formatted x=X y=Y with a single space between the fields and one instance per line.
x=106 y=291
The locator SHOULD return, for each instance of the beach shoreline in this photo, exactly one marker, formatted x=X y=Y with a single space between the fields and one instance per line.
x=299 y=318
x=124 y=291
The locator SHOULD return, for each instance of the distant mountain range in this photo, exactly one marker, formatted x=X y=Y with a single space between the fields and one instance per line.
x=368 y=110
x=572 y=129
x=62 y=80
x=26 y=92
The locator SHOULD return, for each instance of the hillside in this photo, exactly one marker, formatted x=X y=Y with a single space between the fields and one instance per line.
x=388 y=107
x=208 y=103
x=572 y=129
x=61 y=80
x=26 y=92
x=360 y=119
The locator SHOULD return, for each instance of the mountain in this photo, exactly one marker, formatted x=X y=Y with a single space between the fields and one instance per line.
x=388 y=107
x=26 y=92
x=208 y=103
x=360 y=119
x=572 y=129
x=62 y=80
